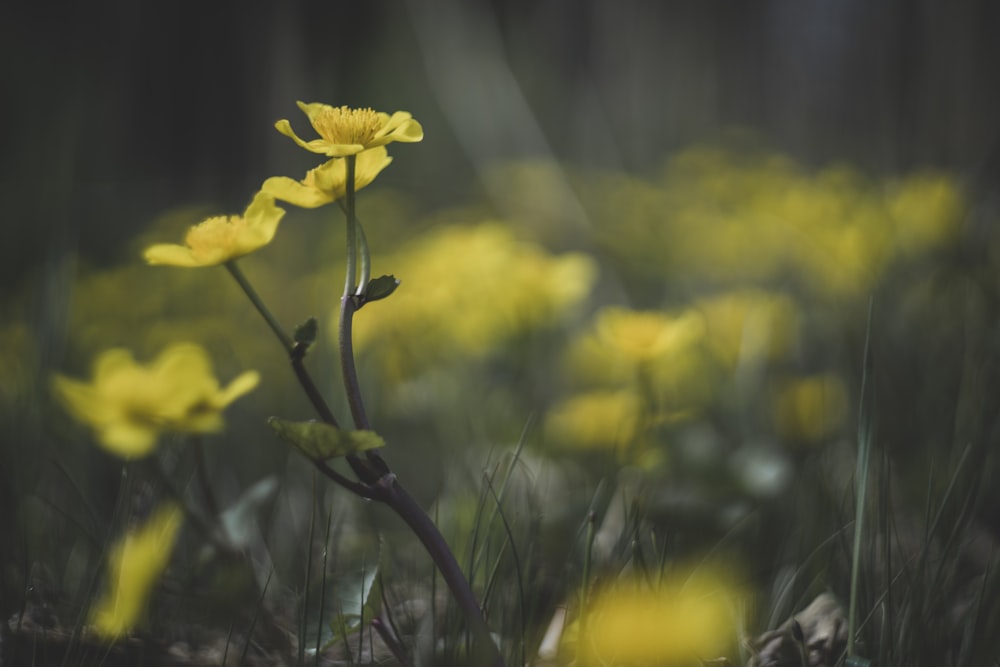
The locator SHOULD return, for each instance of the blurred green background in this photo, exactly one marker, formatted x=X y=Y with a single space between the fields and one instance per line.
x=645 y=234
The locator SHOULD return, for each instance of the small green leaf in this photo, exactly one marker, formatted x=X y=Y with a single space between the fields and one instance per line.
x=381 y=287
x=318 y=440
x=306 y=332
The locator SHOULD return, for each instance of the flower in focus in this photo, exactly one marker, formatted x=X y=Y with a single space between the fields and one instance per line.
x=344 y=131
x=222 y=238
x=134 y=565
x=128 y=405
x=328 y=182
x=672 y=623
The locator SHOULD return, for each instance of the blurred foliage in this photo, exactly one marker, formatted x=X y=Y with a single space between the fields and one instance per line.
x=688 y=342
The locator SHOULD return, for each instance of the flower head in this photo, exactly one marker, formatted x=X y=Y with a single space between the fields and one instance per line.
x=222 y=238
x=328 y=182
x=641 y=336
x=344 y=131
x=128 y=405
x=134 y=564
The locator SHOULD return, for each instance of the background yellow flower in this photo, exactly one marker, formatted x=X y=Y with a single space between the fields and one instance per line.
x=328 y=182
x=344 y=131
x=134 y=565
x=128 y=405
x=222 y=238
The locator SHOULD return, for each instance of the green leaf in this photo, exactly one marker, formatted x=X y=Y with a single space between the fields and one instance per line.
x=318 y=440
x=357 y=601
x=240 y=518
x=306 y=332
x=380 y=288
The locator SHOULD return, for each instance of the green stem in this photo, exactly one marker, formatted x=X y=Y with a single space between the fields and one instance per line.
x=352 y=228
x=237 y=274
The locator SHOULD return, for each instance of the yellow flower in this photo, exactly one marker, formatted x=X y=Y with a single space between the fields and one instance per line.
x=344 y=131
x=134 y=565
x=128 y=405
x=598 y=419
x=222 y=238
x=328 y=182
x=810 y=408
x=671 y=623
x=644 y=336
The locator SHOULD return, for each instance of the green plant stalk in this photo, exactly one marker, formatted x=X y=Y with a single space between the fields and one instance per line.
x=237 y=274
x=352 y=227
x=864 y=451
x=396 y=497
x=387 y=488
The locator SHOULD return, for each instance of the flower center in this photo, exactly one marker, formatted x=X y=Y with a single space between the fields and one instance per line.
x=343 y=125
x=214 y=233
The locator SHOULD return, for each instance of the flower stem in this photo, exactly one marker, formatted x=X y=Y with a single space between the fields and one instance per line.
x=237 y=274
x=352 y=227
x=396 y=497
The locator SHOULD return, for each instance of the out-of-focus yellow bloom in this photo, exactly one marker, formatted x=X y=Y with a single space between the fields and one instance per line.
x=642 y=336
x=344 y=131
x=811 y=408
x=134 y=565
x=749 y=325
x=328 y=182
x=464 y=291
x=128 y=405
x=631 y=623
x=222 y=238
x=605 y=419
x=722 y=217
x=927 y=210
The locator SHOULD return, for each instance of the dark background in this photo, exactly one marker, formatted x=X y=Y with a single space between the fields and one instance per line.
x=113 y=112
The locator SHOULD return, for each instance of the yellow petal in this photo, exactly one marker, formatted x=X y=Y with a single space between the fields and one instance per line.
x=134 y=565
x=243 y=384
x=128 y=440
x=296 y=193
x=170 y=254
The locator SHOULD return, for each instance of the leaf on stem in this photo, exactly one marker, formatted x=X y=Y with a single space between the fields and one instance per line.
x=381 y=287
x=306 y=332
x=318 y=440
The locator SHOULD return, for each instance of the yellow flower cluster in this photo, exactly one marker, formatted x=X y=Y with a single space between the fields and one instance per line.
x=641 y=369
x=723 y=219
x=362 y=133
x=464 y=291
x=129 y=405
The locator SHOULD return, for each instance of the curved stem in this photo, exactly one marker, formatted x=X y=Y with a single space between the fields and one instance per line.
x=396 y=497
x=237 y=274
x=351 y=385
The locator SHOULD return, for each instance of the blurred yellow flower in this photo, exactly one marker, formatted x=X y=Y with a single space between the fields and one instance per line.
x=642 y=336
x=604 y=419
x=344 y=131
x=749 y=325
x=128 y=405
x=811 y=408
x=134 y=565
x=222 y=238
x=465 y=291
x=328 y=182
x=632 y=623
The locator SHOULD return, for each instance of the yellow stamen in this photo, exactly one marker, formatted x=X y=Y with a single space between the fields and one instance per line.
x=343 y=125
